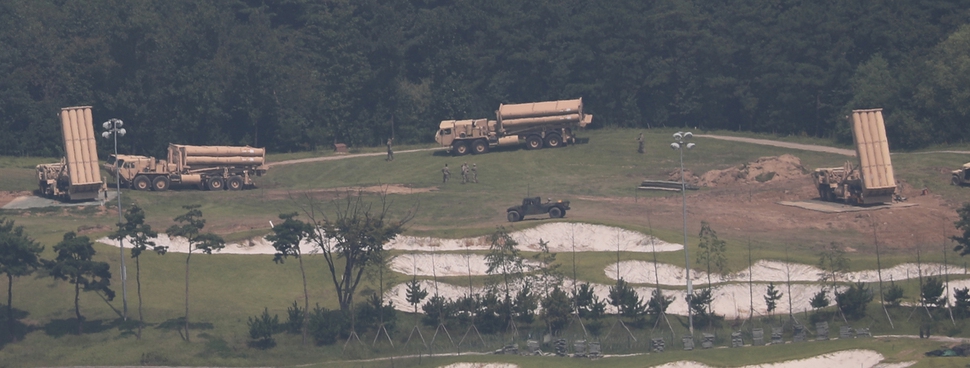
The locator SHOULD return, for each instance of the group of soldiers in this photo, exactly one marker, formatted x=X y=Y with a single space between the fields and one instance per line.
x=468 y=174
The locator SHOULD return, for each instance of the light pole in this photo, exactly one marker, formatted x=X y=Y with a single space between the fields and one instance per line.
x=679 y=145
x=114 y=128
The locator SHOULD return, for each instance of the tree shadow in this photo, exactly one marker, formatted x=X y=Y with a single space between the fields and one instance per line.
x=19 y=329
x=177 y=324
x=60 y=327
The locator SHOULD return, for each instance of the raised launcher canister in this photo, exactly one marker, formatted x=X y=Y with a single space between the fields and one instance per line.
x=77 y=177
x=872 y=180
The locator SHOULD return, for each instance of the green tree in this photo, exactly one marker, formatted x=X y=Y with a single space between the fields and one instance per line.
x=658 y=303
x=587 y=303
x=700 y=303
x=526 y=303
x=853 y=301
x=961 y=302
x=931 y=293
x=19 y=256
x=833 y=263
x=355 y=235
x=262 y=328
x=963 y=241
x=415 y=294
x=140 y=235
x=190 y=227
x=556 y=310
x=772 y=296
x=625 y=299
x=75 y=263
x=287 y=238
x=503 y=259
x=819 y=300
x=893 y=295
x=712 y=253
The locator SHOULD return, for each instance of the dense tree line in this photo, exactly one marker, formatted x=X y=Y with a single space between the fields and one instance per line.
x=300 y=74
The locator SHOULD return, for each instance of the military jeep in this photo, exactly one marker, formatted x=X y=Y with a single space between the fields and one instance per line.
x=534 y=206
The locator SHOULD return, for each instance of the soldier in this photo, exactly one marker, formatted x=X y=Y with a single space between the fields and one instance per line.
x=464 y=172
x=475 y=173
x=445 y=174
x=390 y=152
x=640 y=143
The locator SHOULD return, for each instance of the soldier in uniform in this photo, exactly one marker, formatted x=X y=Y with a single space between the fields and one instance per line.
x=390 y=152
x=640 y=143
x=445 y=174
x=475 y=173
x=464 y=172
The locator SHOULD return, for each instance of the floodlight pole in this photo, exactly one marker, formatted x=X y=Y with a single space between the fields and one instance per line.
x=114 y=127
x=679 y=145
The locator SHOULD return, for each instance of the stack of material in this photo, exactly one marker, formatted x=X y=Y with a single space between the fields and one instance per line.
x=688 y=342
x=594 y=350
x=799 y=333
x=657 y=345
x=707 y=341
x=862 y=332
x=821 y=331
x=579 y=349
x=845 y=332
x=736 y=340
x=560 y=347
x=533 y=346
x=758 y=335
x=776 y=336
x=673 y=186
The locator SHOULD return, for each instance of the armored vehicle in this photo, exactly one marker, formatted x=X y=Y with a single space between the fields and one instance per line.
x=534 y=206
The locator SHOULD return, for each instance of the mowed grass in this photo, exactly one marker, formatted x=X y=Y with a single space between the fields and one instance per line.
x=225 y=290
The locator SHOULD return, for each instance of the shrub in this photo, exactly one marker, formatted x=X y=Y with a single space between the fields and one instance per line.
x=261 y=329
x=853 y=300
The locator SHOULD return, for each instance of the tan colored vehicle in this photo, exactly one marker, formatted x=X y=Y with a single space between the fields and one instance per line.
x=961 y=176
x=538 y=124
x=872 y=181
x=77 y=177
x=207 y=167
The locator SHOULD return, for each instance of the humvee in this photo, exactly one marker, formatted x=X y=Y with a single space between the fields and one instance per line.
x=961 y=176
x=534 y=206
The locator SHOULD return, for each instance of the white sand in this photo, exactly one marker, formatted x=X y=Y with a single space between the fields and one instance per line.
x=480 y=365
x=642 y=272
x=847 y=359
x=445 y=264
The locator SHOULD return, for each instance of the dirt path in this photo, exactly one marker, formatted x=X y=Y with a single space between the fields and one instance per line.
x=340 y=157
x=799 y=146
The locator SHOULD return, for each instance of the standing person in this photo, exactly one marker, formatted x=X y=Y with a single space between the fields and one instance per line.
x=464 y=172
x=475 y=173
x=640 y=143
x=390 y=152
x=445 y=174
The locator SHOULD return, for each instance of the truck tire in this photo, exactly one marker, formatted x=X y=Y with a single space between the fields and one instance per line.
x=215 y=184
x=235 y=183
x=513 y=216
x=955 y=180
x=161 y=183
x=460 y=148
x=479 y=146
x=555 y=212
x=553 y=141
x=533 y=142
x=141 y=182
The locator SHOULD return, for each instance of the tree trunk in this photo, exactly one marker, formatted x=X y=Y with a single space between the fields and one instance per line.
x=187 y=295
x=77 y=305
x=13 y=337
x=306 y=302
x=141 y=317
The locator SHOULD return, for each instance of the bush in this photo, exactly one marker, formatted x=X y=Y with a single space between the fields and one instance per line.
x=893 y=295
x=326 y=326
x=261 y=329
x=370 y=312
x=853 y=300
x=294 y=318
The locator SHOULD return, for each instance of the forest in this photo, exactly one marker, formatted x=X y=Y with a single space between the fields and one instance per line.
x=296 y=75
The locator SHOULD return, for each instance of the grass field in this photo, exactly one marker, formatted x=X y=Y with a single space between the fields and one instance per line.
x=228 y=289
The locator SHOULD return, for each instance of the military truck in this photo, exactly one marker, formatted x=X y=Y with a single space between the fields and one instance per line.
x=962 y=175
x=77 y=176
x=537 y=124
x=872 y=181
x=534 y=206
x=206 y=167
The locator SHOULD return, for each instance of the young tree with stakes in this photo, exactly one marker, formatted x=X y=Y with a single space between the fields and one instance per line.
x=139 y=235
x=75 y=264
x=19 y=256
x=286 y=238
x=503 y=258
x=190 y=228
x=772 y=296
x=712 y=253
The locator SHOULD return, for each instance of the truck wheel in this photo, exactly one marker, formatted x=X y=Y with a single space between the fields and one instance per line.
x=956 y=180
x=460 y=148
x=514 y=216
x=161 y=183
x=555 y=212
x=235 y=183
x=533 y=142
x=553 y=141
x=480 y=146
x=141 y=182
x=214 y=184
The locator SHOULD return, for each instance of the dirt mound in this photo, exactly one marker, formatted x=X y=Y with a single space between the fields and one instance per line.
x=762 y=170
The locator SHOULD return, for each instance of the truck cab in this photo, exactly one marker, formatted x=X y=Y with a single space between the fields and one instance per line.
x=130 y=166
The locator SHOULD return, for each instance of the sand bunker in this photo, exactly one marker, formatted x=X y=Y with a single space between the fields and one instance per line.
x=762 y=170
x=847 y=358
x=642 y=272
x=480 y=365
x=561 y=236
x=446 y=264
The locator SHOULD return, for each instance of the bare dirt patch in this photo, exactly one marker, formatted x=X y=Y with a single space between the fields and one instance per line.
x=7 y=196
x=334 y=193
